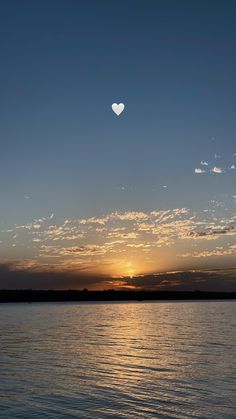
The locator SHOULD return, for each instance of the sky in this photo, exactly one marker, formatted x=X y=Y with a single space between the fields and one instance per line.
x=144 y=199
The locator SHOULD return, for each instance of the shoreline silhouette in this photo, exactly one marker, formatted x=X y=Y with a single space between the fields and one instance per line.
x=29 y=295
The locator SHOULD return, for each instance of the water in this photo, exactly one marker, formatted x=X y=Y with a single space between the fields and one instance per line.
x=118 y=360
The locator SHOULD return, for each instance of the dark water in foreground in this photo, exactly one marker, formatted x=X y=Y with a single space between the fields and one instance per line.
x=122 y=360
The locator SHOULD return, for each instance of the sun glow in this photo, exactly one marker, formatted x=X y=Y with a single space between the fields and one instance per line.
x=126 y=269
x=131 y=274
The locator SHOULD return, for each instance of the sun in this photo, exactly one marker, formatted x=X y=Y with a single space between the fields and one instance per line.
x=129 y=269
x=131 y=273
x=125 y=269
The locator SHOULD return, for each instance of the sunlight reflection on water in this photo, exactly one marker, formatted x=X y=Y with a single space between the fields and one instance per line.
x=118 y=360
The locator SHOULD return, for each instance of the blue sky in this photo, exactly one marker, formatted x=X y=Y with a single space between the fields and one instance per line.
x=63 y=150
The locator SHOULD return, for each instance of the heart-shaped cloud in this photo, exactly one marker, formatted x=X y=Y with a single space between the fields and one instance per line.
x=118 y=108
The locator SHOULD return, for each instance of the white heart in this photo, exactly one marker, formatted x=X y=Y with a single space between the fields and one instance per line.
x=118 y=108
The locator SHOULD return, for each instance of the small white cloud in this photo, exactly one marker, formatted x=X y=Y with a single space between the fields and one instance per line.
x=164 y=186
x=217 y=156
x=204 y=163
x=217 y=170
x=198 y=170
x=233 y=166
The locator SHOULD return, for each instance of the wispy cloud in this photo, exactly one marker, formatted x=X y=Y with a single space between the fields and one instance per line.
x=208 y=167
x=218 y=251
x=217 y=170
x=149 y=238
x=198 y=170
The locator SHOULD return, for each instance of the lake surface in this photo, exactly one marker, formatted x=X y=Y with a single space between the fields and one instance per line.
x=118 y=360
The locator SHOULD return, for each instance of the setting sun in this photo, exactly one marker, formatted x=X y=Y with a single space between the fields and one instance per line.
x=125 y=269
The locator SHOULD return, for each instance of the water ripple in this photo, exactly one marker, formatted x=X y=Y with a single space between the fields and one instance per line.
x=121 y=360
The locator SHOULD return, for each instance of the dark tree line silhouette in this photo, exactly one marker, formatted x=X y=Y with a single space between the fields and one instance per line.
x=7 y=296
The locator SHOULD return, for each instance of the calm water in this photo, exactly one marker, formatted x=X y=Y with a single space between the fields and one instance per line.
x=118 y=360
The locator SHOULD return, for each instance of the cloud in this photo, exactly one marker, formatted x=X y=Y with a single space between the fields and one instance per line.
x=94 y=220
x=214 y=169
x=214 y=280
x=218 y=251
x=88 y=250
x=106 y=241
x=217 y=169
x=208 y=233
x=15 y=276
x=198 y=170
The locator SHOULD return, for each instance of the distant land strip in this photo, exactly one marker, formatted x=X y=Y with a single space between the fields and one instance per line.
x=30 y=296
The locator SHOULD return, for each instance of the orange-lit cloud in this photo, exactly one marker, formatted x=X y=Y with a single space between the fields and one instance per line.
x=148 y=241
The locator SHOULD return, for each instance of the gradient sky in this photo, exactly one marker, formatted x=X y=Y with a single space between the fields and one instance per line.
x=86 y=192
